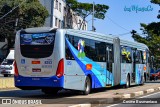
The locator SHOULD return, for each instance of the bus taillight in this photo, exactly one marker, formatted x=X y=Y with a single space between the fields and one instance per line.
x=60 y=68
x=15 y=69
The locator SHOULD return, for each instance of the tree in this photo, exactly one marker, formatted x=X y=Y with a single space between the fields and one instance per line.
x=156 y=2
x=151 y=37
x=26 y=13
x=86 y=9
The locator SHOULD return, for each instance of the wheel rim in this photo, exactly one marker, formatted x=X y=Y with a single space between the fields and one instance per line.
x=127 y=82
x=87 y=85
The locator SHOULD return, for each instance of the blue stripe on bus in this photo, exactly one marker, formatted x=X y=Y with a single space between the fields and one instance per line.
x=52 y=81
x=100 y=80
x=122 y=82
x=139 y=76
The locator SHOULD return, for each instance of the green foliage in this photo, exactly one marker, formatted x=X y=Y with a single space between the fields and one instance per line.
x=151 y=37
x=81 y=55
x=155 y=1
x=30 y=13
x=85 y=9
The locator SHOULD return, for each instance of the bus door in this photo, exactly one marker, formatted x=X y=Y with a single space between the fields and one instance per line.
x=133 y=72
x=109 y=61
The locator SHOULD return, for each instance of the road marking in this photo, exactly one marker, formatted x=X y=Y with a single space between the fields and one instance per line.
x=113 y=105
x=134 y=99
x=149 y=95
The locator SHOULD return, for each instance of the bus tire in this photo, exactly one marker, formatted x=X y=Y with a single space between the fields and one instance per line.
x=143 y=80
x=50 y=91
x=127 y=82
x=145 y=77
x=87 y=86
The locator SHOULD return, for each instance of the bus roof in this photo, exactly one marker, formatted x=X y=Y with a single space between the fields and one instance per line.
x=89 y=34
x=37 y=29
x=109 y=38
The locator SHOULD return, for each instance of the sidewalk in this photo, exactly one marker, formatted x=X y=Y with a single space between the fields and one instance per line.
x=120 y=94
x=97 y=98
x=102 y=98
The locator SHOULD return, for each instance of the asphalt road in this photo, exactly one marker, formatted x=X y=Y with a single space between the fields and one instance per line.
x=157 y=81
x=151 y=100
x=70 y=97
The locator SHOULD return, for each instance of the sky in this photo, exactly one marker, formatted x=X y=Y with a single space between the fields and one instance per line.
x=121 y=17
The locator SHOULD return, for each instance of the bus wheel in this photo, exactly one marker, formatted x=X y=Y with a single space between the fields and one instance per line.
x=127 y=82
x=87 y=86
x=5 y=75
x=143 y=80
x=145 y=77
x=50 y=91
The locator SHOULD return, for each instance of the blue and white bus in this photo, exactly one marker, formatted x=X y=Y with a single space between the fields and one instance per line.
x=53 y=59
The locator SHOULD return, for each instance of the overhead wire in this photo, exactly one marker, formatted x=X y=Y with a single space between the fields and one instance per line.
x=117 y=24
x=123 y=28
x=124 y=34
x=12 y=10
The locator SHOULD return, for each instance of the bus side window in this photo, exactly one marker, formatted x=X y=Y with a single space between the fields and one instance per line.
x=68 y=53
x=126 y=54
x=138 y=57
x=101 y=51
x=123 y=59
x=144 y=57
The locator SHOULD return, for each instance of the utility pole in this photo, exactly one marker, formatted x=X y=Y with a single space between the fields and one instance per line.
x=93 y=28
x=51 y=17
x=16 y=24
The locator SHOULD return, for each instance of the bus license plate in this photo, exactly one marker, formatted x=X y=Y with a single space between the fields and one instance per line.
x=36 y=70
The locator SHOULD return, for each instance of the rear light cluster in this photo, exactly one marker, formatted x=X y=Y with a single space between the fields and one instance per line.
x=15 y=69
x=60 y=68
x=59 y=72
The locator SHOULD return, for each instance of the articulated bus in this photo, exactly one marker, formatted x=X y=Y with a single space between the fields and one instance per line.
x=53 y=59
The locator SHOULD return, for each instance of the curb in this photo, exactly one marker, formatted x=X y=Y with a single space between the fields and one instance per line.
x=11 y=88
x=150 y=90
x=112 y=100
x=82 y=105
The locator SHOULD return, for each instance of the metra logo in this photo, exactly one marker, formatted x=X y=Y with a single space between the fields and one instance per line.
x=49 y=39
x=69 y=63
x=27 y=38
x=81 y=45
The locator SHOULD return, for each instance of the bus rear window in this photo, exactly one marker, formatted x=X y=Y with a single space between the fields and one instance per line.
x=39 y=45
x=8 y=62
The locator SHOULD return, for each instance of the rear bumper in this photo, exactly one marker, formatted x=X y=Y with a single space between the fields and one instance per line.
x=38 y=82
x=6 y=72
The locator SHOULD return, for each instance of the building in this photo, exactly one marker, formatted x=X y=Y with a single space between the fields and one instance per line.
x=60 y=16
